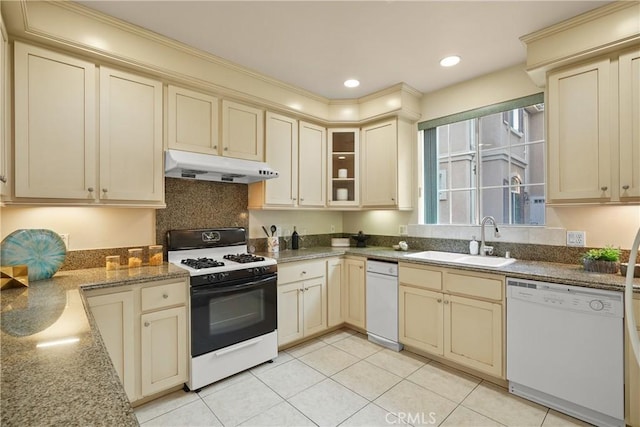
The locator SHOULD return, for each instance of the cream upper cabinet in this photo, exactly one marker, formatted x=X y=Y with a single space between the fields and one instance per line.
x=629 y=82
x=354 y=293
x=192 y=121
x=302 y=300
x=113 y=313
x=242 y=131
x=344 y=167
x=312 y=171
x=335 y=290
x=578 y=112
x=131 y=158
x=379 y=170
x=5 y=113
x=281 y=153
x=55 y=125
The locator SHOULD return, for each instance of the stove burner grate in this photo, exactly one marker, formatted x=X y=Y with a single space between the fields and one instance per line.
x=243 y=258
x=201 y=263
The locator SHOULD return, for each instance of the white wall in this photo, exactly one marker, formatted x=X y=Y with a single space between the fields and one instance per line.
x=88 y=227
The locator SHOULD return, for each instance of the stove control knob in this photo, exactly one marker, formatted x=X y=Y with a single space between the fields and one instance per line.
x=211 y=277
x=223 y=275
x=265 y=269
x=596 y=305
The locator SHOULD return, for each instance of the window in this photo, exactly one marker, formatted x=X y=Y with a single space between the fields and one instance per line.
x=486 y=162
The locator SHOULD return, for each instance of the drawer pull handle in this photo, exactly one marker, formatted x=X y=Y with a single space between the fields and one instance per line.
x=604 y=188
x=304 y=272
x=165 y=296
x=238 y=347
x=146 y=324
x=625 y=187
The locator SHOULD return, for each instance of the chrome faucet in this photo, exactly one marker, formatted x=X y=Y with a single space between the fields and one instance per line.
x=484 y=249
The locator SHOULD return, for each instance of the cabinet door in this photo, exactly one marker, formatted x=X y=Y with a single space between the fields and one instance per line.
x=192 y=121
x=379 y=171
x=344 y=167
x=290 y=319
x=242 y=131
x=282 y=155
x=629 y=66
x=335 y=285
x=163 y=349
x=355 y=293
x=5 y=108
x=473 y=334
x=578 y=111
x=315 y=306
x=131 y=158
x=113 y=313
x=312 y=175
x=55 y=133
x=420 y=322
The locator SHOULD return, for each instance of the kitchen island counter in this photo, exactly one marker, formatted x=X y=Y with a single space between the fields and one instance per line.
x=55 y=367
x=569 y=274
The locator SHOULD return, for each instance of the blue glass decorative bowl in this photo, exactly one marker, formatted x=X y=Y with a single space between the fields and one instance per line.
x=42 y=251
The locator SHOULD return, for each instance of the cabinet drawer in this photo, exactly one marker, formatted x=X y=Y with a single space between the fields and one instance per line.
x=420 y=277
x=166 y=295
x=300 y=271
x=477 y=285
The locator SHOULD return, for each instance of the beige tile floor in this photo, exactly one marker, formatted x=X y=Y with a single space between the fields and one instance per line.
x=343 y=379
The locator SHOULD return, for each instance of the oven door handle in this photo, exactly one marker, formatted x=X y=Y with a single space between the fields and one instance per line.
x=206 y=290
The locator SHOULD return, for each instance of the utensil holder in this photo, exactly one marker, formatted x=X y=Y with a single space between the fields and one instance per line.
x=273 y=244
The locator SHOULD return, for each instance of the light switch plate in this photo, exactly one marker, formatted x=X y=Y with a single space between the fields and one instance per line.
x=403 y=230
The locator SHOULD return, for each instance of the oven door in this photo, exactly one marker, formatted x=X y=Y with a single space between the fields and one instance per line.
x=226 y=314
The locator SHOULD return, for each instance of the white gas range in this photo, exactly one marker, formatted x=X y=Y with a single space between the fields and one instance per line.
x=233 y=302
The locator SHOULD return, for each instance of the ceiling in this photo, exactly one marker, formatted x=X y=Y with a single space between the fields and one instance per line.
x=317 y=45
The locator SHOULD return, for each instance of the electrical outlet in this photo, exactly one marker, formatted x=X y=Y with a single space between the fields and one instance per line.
x=333 y=228
x=403 y=230
x=65 y=239
x=576 y=238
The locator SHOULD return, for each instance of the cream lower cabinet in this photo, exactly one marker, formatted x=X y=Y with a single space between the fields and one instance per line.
x=302 y=300
x=335 y=290
x=354 y=292
x=632 y=374
x=145 y=330
x=113 y=314
x=454 y=314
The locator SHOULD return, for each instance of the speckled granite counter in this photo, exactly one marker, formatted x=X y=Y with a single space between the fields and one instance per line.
x=570 y=274
x=72 y=384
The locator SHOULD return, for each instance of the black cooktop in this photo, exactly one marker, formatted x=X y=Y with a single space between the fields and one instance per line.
x=199 y=263
x=243 y=258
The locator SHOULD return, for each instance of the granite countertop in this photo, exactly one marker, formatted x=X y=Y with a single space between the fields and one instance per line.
x=67 y=384
x=569 y=274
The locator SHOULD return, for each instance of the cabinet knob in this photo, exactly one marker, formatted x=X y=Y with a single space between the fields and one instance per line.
x=104 y=190
x=226 y=148
x=294 y=199
x=165 y=296
x=446 y=301
x=301 y=199
x=304 y=272
x=146 y=324
x=604 y=188
x=215 y=147
x=624 y=187
x=3 y=179
x=90 y=189
x=439 y=300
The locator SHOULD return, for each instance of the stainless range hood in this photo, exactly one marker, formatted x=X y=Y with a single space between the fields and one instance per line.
x=207 y=167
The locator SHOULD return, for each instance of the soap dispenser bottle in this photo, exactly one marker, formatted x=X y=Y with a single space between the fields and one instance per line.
x=473 y=246
x=295 y=239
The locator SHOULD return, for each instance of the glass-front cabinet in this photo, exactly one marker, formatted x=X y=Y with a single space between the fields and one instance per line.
x=344 y=174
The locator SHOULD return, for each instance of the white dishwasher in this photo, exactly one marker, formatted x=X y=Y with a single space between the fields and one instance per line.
x=565 y=349
x=382 y=303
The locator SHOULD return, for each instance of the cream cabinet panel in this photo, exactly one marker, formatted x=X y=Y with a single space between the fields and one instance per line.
x=578 y=114
x=379 y=170
x=312 y=171
x=421 y=316
x=131 y=157
x=192 y=121
x=335 y=290
x=113 y=313
x=315 y=306
x=344 y=167
x=163 y=349
x=290 y=318
x=629 y=82
x=281 y=154
x=242 y=131
x=5 y=113
x=354 y=303
x=473 y=334
x=55 y=125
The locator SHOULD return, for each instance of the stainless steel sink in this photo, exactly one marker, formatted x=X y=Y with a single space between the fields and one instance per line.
x=481 y=261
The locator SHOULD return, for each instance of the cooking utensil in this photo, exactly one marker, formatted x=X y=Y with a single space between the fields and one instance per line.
x=273 y=230
x=265 y=231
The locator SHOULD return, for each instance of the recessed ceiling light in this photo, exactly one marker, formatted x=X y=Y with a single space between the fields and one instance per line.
x=352 y=83
x=450 y=61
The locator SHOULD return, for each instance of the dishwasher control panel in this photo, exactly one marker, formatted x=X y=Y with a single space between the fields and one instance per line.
x=567 y=297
